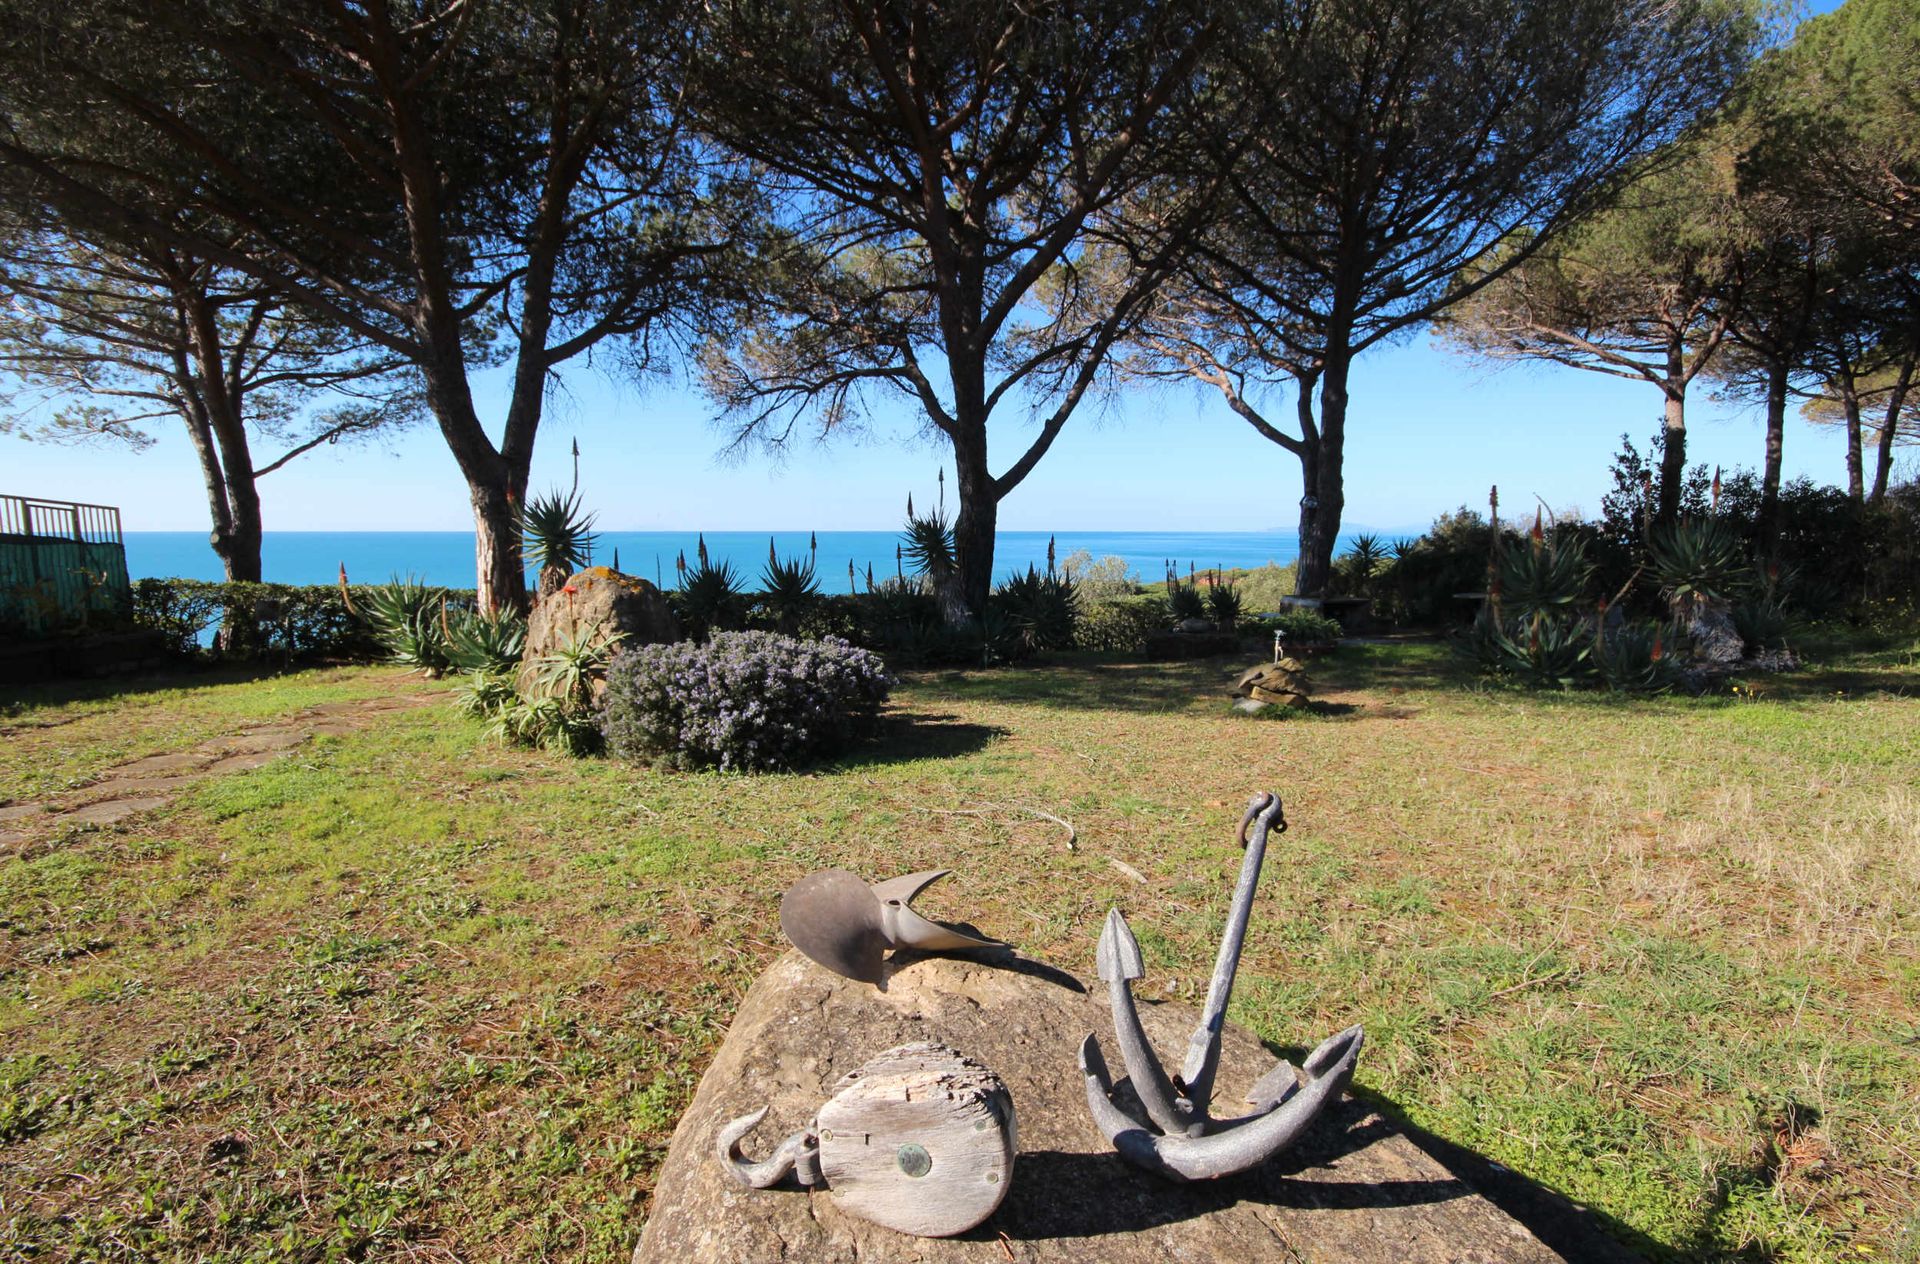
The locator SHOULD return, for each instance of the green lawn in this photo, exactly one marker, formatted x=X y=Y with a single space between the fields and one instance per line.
x=407 y=994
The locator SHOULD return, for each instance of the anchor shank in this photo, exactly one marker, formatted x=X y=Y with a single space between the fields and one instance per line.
x=1203 y=1047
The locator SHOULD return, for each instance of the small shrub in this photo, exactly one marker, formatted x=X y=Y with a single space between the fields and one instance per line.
x=268 y=621
x=1300 y=627
x=1105 y=580
x=744 y=701
x=1262 y=587
x=1123 y=624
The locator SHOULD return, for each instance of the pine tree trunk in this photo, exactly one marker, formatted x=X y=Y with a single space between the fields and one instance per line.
x=235 y=562
x=237 y=531
x=1883 y=456
x=496 y=485
x=1324 y=483
x=974 y=526
x=1673 y=454
x=1856 y=481
x=1776 y=434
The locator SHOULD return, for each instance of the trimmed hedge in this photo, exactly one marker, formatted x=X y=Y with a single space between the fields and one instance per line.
x=1122 y=624
x=243 y=620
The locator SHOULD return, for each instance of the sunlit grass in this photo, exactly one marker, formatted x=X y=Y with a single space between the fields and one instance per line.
x=406 y=987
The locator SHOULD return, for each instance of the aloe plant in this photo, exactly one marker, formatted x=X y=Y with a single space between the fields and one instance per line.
x=711 y=597
x=478 y=642
x=1223 y=603
x=410 y=619
x=1544 y=579
x=789 y=589
x=557 y=535
x=1637 y=658
x=567 y=673
x=1041 y=609
x=1699 y=561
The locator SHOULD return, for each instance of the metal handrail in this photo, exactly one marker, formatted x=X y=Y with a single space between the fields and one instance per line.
x=35 y=518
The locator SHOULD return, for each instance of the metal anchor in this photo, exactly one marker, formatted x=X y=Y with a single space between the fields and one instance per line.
x=1179 y=1139
x=847 y=926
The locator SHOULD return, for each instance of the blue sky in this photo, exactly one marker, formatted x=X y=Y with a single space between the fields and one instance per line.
x=1429 y=430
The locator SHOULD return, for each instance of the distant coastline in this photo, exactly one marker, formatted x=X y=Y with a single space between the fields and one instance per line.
x=446 y=557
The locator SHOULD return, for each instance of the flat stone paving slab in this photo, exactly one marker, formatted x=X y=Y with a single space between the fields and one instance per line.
x=1355 y=1190
x=256 y=740
x=246 y=760
x=117 y=787
x=110 y=811
x=169 y=763
x=141 y=785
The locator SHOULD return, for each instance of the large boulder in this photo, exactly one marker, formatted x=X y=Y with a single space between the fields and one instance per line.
x=1355 y=1189
x=599 y=603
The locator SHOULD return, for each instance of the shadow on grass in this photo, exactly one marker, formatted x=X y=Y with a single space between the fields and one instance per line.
x=19 y=699
x=1086 y=683
x=906 y=736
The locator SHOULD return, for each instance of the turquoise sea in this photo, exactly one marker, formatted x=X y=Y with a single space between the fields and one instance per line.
x=446 y=557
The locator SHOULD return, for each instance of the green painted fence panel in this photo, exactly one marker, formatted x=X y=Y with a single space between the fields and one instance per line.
x=63 y=566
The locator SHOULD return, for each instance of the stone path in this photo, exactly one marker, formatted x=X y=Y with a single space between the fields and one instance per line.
x=127 y=790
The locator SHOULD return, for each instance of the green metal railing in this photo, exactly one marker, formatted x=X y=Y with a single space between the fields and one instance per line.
x=63 y=566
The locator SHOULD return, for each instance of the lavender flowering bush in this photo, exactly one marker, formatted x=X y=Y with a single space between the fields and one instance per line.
x=742 y=701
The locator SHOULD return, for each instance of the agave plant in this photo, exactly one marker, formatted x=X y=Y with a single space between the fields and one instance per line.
x=1545 y=653
x=1762 y=622
x=557 y=536
x=788 y=589
x=1699 y=562
x=478 y=642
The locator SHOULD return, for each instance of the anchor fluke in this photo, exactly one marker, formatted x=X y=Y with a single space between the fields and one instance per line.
x=847 y=926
